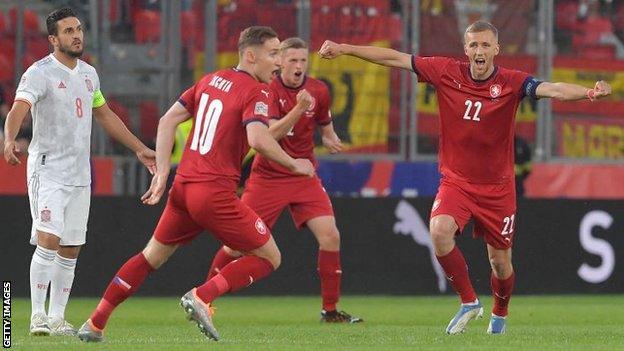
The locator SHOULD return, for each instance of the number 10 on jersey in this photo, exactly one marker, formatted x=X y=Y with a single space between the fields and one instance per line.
x=206 y=124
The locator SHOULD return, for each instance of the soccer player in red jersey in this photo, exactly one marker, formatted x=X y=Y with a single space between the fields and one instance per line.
x=478 y=102
x=229 y=110
x=299 y=104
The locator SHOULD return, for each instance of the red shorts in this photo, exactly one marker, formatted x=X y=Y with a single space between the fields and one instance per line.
x=212 y=206
x=305 y=197
x=492 y=206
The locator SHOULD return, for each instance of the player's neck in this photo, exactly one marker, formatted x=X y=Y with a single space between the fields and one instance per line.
x=66 y=60
x=290 y=84
x=247 y=70
x=483 y=76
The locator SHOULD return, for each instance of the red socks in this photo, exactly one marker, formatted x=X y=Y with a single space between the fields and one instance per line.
x=456 y=270
x=125 y=283
x=330 y=273
x=220 y=260
x=501 y=291
x=236 y=275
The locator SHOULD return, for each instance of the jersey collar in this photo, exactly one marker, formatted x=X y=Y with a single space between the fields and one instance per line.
x=65 y=68
x=479 y=81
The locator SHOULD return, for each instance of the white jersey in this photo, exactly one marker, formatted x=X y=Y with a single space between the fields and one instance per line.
x=61 y=101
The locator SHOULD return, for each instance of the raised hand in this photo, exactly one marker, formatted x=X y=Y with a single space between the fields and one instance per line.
x=304 y=99
x=330 y=50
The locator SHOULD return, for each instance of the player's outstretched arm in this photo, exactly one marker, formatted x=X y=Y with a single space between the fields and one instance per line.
x=263 y=142
x=280 y=127
x=12 y=125
x=380 y=56
x=165 y=138
x=330 y=139
x=114 y=127
x=570 y=92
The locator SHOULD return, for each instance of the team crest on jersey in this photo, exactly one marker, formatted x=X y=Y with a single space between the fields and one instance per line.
x=46 y=215
x=261 y=108
x=495 y=90
x=260 y=226
x=89 y=85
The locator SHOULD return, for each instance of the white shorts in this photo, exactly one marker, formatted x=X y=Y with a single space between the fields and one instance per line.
x=62 y=210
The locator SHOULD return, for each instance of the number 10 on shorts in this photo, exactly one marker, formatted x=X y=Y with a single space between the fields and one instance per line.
x=508 y=224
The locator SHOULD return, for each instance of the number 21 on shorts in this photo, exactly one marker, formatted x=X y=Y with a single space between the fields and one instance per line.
x=508 y=224
x=206 y=124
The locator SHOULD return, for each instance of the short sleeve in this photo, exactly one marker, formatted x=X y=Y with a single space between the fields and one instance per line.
x=430 y=69
x=323 y=116
x=187 y=99
x=256 y=105
x=32 y=86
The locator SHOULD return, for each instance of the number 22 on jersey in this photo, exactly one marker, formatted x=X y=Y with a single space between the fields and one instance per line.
x=477 y=109
x=206 y=122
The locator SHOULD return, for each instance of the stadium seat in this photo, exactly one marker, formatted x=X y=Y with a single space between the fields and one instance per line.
x=148 y=119
x=188 y=28
x=31 y=22
x=147 y=26
x=6 y=69
x=120 y=110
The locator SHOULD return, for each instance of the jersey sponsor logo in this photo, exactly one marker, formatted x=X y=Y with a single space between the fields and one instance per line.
x=89 y=85
x=261 y=108
x=458 y=83
x=495 y=90
x=282 y=102
x=260 y=226
x=62 y=85
x=46 y=215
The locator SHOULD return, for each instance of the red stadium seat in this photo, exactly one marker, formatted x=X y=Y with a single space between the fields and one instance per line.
x=148 y=115
x=31 y=22
x=6 y=68
x=147 y=26
x=120 y=110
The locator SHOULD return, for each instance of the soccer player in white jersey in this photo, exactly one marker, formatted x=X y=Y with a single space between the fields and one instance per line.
x=62 y=93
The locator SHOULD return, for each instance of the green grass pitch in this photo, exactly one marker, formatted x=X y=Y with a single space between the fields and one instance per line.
x=391 y=323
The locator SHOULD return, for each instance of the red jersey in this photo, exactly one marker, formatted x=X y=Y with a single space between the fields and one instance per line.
x=299 y=142
x=222 y=103
x=476 y=117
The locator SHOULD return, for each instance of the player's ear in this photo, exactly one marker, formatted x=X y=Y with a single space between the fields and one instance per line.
x=250 y=55
x=52 y=40
x=497 y=49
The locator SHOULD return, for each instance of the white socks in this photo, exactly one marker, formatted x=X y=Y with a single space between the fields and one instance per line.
x=40 y=274
x=47 y=268
x=60 y=286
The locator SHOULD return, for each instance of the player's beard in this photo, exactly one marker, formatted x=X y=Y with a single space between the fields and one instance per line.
x=69 y=52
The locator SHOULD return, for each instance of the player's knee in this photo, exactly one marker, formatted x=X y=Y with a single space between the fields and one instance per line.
x=275 y=257
x=501 y=266
x=329 y=239
x=69 y=251
x=442 y=230
x=157 y=254
x=231 y=252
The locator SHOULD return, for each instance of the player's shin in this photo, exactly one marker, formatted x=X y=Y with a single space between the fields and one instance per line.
x=60 y=285
x=125 y=283
x=330 y=274
x=40 y=272
x=501 y=292
x=236 y=275
x=456 y=271
x=221 y=259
